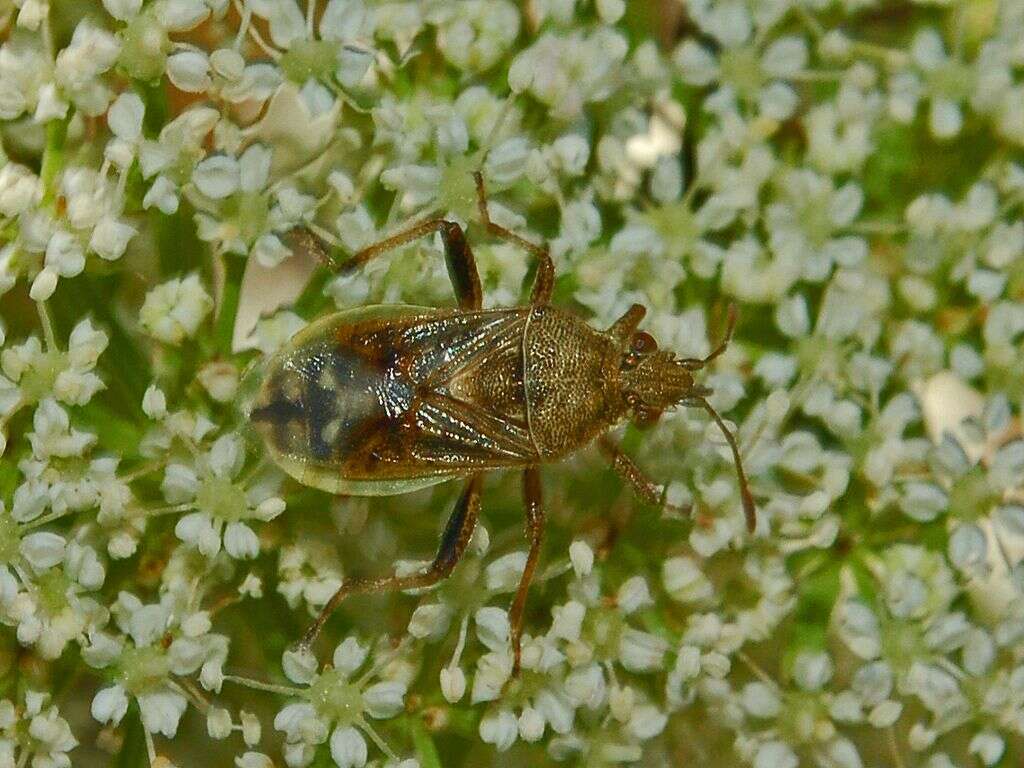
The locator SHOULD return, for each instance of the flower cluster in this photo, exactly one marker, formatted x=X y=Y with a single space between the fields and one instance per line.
x=849 y=175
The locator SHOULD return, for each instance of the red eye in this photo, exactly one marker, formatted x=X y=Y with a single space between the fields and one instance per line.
x=643 y=343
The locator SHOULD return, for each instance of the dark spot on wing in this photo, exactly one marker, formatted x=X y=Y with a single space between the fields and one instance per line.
x=277 y=412
x=319 y=407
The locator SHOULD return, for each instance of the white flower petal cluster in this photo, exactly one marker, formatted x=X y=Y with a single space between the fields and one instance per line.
x=153 y=643
x=335 y=703
x=33 y=732
x=173 y=311
x=223 y=506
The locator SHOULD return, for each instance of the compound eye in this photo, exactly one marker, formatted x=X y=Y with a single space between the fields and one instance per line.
x=643 y=343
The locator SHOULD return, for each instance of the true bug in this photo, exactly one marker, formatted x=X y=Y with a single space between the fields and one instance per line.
x=386 y=399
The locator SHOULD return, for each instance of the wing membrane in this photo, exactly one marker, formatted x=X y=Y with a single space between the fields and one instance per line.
x=457 y=434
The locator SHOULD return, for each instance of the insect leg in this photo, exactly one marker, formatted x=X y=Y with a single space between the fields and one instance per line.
x=545 y=279
x=304 y=239
x=457 y=533
x=462 y=267
x=696 y=363
x=457 y=255
x=535 y=533
x=649 y=491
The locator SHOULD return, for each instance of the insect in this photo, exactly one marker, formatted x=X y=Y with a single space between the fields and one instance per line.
x=386 y=399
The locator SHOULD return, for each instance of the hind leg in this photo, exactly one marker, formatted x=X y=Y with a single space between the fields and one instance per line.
x=454 y=541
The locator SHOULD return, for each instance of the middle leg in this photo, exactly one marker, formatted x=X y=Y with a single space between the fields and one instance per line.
x=458 y=255
x=535 y=533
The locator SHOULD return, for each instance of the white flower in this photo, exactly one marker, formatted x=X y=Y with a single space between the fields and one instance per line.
x=189 y=71
x=161 y=711
x=947 y=81
x=91 y=52
x=53 y=434
x=348 y=748
x=33 y=730
x=807 y=222
x=500 y=728
x=43 y=550
x=474 y=35
x=335 y=705
x=174 y=310
x=110 y=238
x=240 y=211
x=253 y=760
x=179 y=142
x=217 y=176
x=840 y=132
x=633 y=595
x=125 y=120
x=565 y=72
x=744 y=71
x=122 y=10
x=567 y=620
x=812 y=670
x=223 y=507
x=67 y=375
x=19 y=189
x=299 y=666
x=775 y=754
x=154 y=402
x=582 y=558
x=641 y=651
x=988 y=746
x=153 y=647
x=684 y=580
x=110 y=705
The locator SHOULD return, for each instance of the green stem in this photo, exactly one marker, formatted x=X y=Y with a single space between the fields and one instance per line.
x=46 y=320
x=53 y=157
x=284 y=690
x=234 y=269
x=133 y=749
x=423 y=743
x=142 y=470
x=44 y=520
x=168 y=510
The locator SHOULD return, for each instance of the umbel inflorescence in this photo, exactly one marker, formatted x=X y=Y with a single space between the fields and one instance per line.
x=849 y=173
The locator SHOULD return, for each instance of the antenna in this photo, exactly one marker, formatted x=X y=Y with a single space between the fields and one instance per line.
x=748 y=500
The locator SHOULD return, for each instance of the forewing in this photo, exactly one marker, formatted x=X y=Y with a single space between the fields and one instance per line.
x=439 y=348
x=458 y=434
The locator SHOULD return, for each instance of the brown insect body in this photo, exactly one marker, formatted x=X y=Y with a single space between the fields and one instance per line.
x=409 y=393
x=387 y=399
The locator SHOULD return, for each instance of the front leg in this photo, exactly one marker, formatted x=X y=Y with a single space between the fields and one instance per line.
x=457 y=533
x=642 y=485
